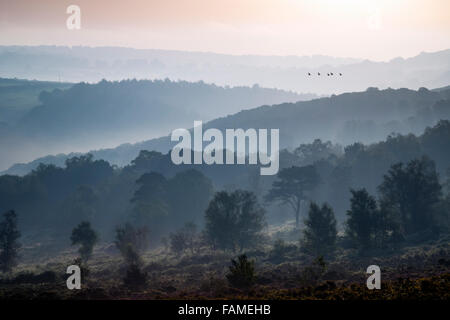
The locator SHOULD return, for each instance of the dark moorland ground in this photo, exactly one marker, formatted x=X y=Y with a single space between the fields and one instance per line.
x=419 y=272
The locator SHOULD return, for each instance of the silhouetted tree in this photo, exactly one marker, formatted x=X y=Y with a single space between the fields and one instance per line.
x=446 y=184
x=293 y=186
x=9 y=245
x=234 y=220
x=413 y=190
x=167 y=204
x=388 y=231
x=360 y=221
x=320 y=232
x=84 y=235
x=150 y=200
x=312 y=152
x=83 y=170
x=370 y=226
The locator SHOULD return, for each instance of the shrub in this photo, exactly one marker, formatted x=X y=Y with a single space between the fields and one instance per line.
x=184 y=239
x=131 y=242
x=312 y=274
x=130 y=237
x=30 y=277
x=281 y=250
x=83 y=234
x=135 y=278
x=9 y=245
x=241 y=272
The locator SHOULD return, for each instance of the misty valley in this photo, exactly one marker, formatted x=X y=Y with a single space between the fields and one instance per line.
x=363 y=180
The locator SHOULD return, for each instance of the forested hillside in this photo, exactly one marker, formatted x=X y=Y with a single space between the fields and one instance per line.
x=17 y=97
x=367 y=117
x=89 y=116
x=151 y=189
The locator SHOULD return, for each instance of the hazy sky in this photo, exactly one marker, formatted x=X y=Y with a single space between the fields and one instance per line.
x=377 y=30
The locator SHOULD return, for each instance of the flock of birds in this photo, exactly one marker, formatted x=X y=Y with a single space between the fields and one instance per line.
x=328 y=74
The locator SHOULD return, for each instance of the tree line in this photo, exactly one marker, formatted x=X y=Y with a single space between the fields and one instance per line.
x=408 y=203
x=412 y=206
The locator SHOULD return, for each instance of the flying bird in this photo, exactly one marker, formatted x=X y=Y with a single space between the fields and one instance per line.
x=340 y=74
x=318 y=73
x=309 y=73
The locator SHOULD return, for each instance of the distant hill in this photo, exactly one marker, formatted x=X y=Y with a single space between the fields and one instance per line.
x=367 y=117
x=18 y=96
x=76 y=64
x=442 y=89
x=87 y=116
